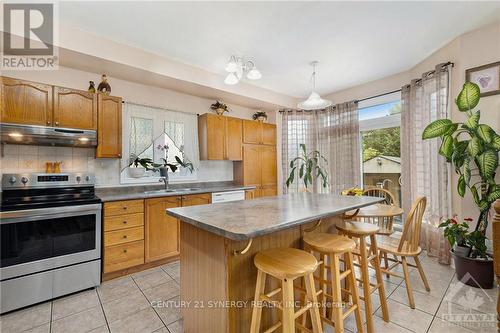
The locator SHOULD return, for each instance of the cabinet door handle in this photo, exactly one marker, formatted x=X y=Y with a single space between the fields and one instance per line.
x=124 y=207
x=124 y=236
x=48 y=122
x=125 y=251
x=56 y=123
x=124 y=222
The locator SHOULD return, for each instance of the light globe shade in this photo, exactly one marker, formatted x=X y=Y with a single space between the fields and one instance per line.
x=231 y=67
x=254 y=74
x=231 y=79
x=314 y=102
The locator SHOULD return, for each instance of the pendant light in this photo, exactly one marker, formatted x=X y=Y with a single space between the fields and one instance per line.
x=314 y=101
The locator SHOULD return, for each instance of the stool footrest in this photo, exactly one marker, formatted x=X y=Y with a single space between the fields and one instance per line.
x=303 y=309
x=273 y=328
x=303 y=328
x=271 y=301
x=303 y=291
x=273 y=292
x=344 y=274
x=349 y=311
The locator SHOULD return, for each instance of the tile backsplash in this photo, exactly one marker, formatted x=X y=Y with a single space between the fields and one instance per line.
x=23 y=158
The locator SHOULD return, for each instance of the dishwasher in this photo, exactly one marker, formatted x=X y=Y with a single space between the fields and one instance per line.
x=228 y=196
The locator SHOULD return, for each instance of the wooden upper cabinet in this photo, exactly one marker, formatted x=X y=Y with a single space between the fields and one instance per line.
x=268 y=165
x=234 y=139
x=25 y=102
x=251 y=165
x=252 y=132
x=211 y=136
x=161 y=230
x=220 y=137
x=268 y=134
x=75 y=109
x=109 y=133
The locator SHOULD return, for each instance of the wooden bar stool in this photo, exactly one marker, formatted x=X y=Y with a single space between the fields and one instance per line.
x=331 y=248
x=361 y=231
x=286 y=265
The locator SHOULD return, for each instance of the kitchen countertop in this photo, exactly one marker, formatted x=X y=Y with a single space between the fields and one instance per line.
x=241 y=220
x=139 y=192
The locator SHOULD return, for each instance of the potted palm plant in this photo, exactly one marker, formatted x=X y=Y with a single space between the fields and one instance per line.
x=472 y=150
x=308 y=166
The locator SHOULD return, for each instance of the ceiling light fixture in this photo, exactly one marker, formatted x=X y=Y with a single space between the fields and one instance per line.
x=237 y=67
x=314 y=101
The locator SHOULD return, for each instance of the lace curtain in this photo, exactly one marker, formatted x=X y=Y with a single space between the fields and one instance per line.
x=334 y=132
x=424 y=172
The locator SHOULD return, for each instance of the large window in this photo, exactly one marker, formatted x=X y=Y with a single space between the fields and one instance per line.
x=157 y=133
x=381 y=145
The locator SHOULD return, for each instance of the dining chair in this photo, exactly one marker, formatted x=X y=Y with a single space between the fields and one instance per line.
x=405 y=246
x=380 y=193
x=384 y=222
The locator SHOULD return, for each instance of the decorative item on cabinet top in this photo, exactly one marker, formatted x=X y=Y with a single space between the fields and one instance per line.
x=219 y=108
x=260 y=116
x=104 y=86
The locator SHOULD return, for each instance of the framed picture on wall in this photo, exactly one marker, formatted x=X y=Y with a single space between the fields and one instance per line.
x=487 y=77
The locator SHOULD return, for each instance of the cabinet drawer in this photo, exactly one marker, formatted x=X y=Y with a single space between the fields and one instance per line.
x=123 y=207
x=123 y=236
x=123 y=221
x=123 y=256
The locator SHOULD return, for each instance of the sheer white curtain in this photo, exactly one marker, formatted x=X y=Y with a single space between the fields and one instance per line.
x=424 y=172
x=334 y=132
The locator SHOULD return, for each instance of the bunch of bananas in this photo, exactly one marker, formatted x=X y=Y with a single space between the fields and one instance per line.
x=353 y=191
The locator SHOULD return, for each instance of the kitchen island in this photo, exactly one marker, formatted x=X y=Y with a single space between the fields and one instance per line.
x=218 y=243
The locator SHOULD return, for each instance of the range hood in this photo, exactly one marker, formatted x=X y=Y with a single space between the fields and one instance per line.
x=47 y=136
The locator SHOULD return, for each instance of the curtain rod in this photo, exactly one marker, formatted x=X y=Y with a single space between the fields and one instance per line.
x=159 y=107
x=394 y=91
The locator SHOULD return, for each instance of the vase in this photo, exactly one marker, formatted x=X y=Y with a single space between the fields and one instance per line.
x=261 y=118
x=136 y=172
x=220 y=111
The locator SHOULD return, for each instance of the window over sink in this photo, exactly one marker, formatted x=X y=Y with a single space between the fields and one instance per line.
x=157 y=133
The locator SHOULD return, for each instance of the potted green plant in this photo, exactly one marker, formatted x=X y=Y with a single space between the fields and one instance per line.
x=219 y=108
x=260 y=116
x=308 y=166
x=456 y=234
x=472 y=149
x=138 y=166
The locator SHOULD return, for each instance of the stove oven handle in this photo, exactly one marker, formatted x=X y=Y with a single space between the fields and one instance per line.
x=62 y=130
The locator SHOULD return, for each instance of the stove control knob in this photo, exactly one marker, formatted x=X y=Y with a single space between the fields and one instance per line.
x=24 y=180
x=78 y=178
x=87 y=178
x=12 y=180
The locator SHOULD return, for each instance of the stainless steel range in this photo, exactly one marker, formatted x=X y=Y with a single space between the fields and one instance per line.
x=50 y=230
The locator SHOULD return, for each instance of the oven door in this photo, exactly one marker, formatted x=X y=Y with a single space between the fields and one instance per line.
x=42 y=239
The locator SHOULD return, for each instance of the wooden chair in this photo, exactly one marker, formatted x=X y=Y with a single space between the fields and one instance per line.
x=404 y=247
x=384 y=222
x=380 y=193
x=333 y=249
x=286 y=265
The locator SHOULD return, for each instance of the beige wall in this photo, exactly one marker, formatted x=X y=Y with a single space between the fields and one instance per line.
x=32 y=158
x=472 y=49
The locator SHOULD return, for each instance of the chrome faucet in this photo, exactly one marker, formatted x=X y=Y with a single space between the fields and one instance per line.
x=165 y=181
x=164 y=177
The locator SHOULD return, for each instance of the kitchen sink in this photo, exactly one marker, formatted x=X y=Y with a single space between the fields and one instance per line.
x=177 y=190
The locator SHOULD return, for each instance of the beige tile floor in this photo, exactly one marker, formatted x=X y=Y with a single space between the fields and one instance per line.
x=145 y=302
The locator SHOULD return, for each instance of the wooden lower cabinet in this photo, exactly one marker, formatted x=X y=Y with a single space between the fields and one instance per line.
x=162 y=230
x=268 y=191
x=138 y=234
x=123 y=256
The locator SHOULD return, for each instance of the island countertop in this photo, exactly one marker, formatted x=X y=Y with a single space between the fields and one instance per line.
x=241 y=220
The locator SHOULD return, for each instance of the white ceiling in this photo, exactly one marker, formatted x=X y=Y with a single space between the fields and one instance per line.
x=355 y=42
